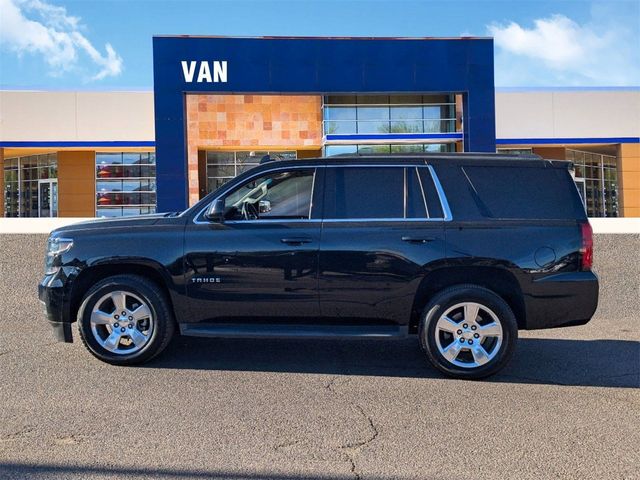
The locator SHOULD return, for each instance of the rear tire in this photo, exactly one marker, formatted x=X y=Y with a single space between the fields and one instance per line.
x=125 y=320
x=468 y=332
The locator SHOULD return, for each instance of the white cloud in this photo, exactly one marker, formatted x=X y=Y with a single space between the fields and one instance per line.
x=38 y=27
x=559 y=51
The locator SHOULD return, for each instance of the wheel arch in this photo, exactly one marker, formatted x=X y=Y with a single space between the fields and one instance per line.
x=499 y=280
x=89 y=276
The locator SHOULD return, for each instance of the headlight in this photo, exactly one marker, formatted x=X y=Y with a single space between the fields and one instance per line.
x=55 y=248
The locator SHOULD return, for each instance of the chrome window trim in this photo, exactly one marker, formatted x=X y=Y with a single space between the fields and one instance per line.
x=313 y=188
x=436 y=182
x=405 y=193
x=443 y=199
x=424 y=197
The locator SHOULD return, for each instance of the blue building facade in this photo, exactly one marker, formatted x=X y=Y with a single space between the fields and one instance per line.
x=337 y=69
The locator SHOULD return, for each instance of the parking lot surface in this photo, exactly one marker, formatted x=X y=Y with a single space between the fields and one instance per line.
x=568 y=405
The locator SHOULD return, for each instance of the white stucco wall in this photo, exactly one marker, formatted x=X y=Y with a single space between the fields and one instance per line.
x=76 y=116
x=568 y=114
x=128 y=116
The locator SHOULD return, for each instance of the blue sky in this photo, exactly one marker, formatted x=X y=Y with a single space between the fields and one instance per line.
x=106 y=44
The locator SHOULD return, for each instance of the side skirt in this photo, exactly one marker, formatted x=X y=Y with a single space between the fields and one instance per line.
x=292 y=331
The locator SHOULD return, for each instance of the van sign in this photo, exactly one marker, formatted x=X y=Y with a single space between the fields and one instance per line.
x=208 y=72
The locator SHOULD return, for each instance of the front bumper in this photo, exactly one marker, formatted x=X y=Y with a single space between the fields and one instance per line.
x=52 y=294
x=561 y=300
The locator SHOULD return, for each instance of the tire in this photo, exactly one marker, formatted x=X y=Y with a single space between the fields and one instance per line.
x=117 y=340
x=484 y=339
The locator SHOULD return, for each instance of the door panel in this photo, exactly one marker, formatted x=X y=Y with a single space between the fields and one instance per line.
x=261 y=262
x=376 y=242
x=246 y=269
x=368 y=271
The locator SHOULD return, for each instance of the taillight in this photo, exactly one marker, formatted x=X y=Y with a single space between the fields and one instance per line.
x=586 y=252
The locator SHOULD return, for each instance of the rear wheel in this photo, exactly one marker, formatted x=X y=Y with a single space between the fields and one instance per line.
x=125 y=320
x=468 y=332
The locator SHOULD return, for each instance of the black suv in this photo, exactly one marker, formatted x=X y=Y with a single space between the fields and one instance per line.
x=461 y=250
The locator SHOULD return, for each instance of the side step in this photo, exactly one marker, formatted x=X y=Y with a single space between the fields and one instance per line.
x=233 y=330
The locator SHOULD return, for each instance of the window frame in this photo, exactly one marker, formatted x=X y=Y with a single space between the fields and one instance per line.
x=199 y=220
x=281 y=220
x=120 y=209
x=436 y=183
x=317 y=193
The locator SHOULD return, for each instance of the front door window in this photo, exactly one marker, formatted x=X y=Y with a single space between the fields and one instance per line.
x=280 y=195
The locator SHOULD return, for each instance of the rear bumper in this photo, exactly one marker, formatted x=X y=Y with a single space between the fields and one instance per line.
x=51 y=292
x=561 y=300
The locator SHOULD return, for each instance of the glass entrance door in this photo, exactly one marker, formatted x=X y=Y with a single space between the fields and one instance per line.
x=48 y=198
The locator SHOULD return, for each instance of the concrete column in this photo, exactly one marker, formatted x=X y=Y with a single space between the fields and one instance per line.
x=629 y=179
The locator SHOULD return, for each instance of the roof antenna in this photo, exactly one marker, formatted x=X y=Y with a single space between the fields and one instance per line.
x=265 y=159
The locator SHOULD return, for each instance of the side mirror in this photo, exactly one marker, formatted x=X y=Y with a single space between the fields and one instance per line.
x=264 y=206
x=215 y=213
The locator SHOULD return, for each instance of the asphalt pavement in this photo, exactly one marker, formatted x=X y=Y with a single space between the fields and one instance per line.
x=567 y=406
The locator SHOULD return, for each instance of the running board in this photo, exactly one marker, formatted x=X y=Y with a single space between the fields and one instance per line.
x=292 y=331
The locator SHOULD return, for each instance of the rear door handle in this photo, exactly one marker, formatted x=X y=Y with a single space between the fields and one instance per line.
x=418 y=239
x=296 y=240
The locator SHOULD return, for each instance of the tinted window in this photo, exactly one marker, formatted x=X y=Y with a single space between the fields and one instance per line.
x=431 y=194
x=364 y=192
x=525 y=192
x=275 y=195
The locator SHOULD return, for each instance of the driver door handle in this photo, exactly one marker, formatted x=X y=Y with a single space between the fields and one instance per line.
x=418 y=239
x=296 y=240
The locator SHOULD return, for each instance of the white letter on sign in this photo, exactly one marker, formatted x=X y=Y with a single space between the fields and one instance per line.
x=205 y=73
x=188 y=71
x=220 y=71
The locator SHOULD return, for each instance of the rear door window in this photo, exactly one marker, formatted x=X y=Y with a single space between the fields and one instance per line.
x=381 y=193
x=364 y=193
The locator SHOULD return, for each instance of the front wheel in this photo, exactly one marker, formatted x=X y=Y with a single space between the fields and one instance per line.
x=125 y=320
x=468 y=332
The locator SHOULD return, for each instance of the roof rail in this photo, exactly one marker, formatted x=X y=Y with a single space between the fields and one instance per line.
x=488 y=155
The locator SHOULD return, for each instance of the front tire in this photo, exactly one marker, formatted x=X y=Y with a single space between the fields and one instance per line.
x=125 y=320
x=468 y=332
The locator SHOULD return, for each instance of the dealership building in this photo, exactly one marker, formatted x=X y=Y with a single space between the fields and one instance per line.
x=219 y=105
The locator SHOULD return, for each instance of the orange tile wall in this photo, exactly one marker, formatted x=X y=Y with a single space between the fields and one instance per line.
x=246 y=122
x=77 y=183
x=629 y=175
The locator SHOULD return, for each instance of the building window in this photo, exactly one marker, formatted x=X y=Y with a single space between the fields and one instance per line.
x=330 y=150
x=223 y=166
x=596 y=177
x=389 y=114
x=125 y=183
x=516 y=151
x=31 y=186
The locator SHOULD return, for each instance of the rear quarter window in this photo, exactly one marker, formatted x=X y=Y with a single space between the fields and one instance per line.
x=513 y=192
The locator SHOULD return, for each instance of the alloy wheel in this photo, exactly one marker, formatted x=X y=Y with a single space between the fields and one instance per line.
x=468 y=335
x=121 y=322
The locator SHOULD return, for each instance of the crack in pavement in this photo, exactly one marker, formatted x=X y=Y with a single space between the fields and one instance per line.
x=286 y=444
x=350 y=451
x=17 y=434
